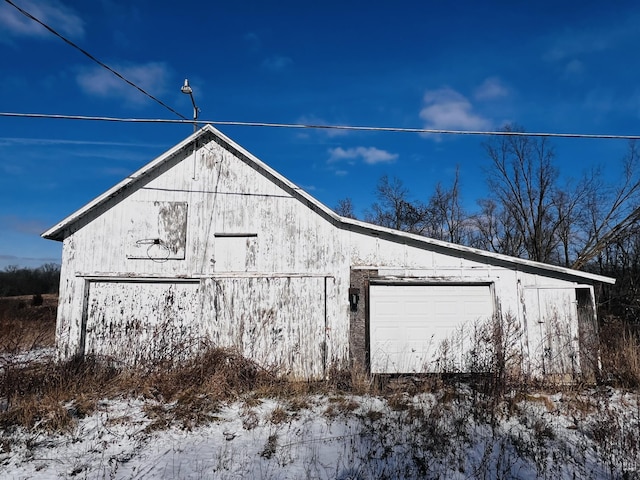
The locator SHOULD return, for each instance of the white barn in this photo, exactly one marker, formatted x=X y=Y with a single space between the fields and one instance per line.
x=207 y=242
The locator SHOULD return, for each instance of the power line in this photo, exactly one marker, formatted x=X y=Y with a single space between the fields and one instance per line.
x=102 y=64
x=94 y=118
x=326 y=127
x=272 y=125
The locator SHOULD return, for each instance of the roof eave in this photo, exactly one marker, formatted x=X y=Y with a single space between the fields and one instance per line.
x=477 y=252
x=57 y=232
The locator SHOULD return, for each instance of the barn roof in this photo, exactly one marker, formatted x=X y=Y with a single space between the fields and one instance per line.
x=68 y=225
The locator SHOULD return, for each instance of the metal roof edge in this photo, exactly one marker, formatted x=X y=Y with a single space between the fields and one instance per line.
x=349 y=222
x=57 y=231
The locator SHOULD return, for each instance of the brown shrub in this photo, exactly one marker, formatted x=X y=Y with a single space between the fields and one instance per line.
x=219 y=372
x=279 y=415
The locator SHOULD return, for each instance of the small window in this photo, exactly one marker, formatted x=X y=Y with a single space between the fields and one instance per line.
x=157 y=231
x=235 y=252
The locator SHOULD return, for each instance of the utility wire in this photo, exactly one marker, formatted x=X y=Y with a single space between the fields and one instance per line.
x=327 y=127
x=273 y=125
x=102 y=64
x=265 y=124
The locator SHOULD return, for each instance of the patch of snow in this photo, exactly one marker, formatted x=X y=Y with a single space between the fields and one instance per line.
x=22 y=358
x=341 y=437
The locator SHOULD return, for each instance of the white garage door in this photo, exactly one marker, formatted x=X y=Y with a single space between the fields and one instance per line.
x=424 y=328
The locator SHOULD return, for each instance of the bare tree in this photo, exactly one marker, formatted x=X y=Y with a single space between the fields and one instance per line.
x=394 y=209
x=16 y=280
x=569 y=204
x=442 y=218
x=529 y=214
x=344 y=208
x=494 y=230
x=611 y=214
x=447 y=219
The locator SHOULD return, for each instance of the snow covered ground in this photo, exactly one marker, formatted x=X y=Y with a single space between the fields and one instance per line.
x=441 y=435
x=24 y=357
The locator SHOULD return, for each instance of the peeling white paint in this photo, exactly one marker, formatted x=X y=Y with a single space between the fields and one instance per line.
x=267 y=268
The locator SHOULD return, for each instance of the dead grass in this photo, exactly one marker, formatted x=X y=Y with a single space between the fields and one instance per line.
x=25 y=325
x=279 y=415
x=53 y=396
x=538 y=398
x=340 y=405
x=620 y=354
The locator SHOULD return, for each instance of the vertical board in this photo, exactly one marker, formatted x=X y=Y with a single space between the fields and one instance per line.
x=424 y=328
x=278 y=322
x=552 y=330
x=135 y=321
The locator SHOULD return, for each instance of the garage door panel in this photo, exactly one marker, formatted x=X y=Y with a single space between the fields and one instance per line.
x=278 y=322
x=416 y=334
x=410 y=325
x=412 y=308
x=141 y=321
x=387 y=308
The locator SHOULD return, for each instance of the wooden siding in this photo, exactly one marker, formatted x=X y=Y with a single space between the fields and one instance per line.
x=281 y=324
x=552 y=330
x=273 y=272
x=157 y=231
x=229 y=221
x=134 y=322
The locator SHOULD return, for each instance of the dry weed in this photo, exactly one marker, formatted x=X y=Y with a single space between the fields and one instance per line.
x=537 y=398
x=279 y=415
x=54 y=395
x=25 y=324
x=620 y=354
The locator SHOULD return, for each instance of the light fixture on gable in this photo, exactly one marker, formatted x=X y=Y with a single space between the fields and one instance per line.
x=187 y=90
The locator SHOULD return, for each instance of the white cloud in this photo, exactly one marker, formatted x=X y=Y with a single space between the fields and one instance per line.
x=572 y=47
x=491 y=89
x=446 y=109
x=152 y=77
x=51 y=12
x=369 y=155
x=277 y=63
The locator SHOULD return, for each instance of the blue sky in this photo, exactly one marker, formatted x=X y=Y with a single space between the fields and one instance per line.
x=548 y=66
